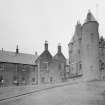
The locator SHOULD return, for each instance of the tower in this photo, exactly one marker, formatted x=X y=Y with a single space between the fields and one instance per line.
x=90 y=48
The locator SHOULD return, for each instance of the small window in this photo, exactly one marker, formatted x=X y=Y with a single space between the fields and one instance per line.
x=44 y=66
x=79 y=51
x=33 y=79
x=1 y=66
x=1 y=78
x=92 y=37
x=23 y=79
x=80 y=66
x=59 y=66
x=51 y=79
x=67 y=69
x=43 y=79
x=15 y=78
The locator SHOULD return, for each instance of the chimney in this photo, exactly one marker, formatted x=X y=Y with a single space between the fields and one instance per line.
x=46 y=45
x=59 y=48
x=17 y=50
x=36 y=54
x=2 y=49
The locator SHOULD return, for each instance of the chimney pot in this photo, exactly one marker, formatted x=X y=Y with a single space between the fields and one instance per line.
x=17 y=49
x=59 y=48
x=2 y=50
x=46 y=45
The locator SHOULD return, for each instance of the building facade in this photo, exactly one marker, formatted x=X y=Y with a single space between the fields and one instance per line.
x=75 y=53
x=102 y=58
x=17 y=68
x=51 y=69
x=86 y=50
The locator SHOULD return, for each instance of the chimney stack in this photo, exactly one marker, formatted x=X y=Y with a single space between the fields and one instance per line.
x=59 y=48
x=2 y=49
x=36 y=54
x=17 y=50
x=46 y=45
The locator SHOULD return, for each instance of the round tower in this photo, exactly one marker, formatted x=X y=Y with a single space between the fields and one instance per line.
x=90 y=48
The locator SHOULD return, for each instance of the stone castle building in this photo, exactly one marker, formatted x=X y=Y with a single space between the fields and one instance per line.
x=87 y=51
x=86 y=60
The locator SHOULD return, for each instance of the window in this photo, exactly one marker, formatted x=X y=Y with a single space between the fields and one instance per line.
x=1 y=66
x=1 y=78
x=43 y=79
x=80 y=66
x=23 y=79
x=59 y=66
x=33 y=79
x=102 y=66
x=92 y=37
x=79 y=51
x=15 y=78
x=51 y=79
x=44 y=66
x=67 y=69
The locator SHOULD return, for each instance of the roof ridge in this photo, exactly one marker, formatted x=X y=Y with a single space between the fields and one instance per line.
x=15 y=52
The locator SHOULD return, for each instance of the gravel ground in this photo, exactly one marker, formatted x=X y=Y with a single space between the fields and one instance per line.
x=91 y=93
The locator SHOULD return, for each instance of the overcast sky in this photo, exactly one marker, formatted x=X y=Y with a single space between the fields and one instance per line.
x=29 y=23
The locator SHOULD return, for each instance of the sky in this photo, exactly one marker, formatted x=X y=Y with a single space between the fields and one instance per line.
x=29 y=23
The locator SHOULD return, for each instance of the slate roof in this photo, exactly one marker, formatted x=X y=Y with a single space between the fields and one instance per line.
x=45 y=55
x=13 y=57
x=90 y=17
x=60 y=57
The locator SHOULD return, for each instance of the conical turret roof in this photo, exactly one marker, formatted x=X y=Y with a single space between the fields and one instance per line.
x=90 y=17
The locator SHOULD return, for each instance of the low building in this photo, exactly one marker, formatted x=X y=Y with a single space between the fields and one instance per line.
x=17 y=68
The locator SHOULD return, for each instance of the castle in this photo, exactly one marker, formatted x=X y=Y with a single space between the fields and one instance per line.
x=86 y=51
x=86 y=60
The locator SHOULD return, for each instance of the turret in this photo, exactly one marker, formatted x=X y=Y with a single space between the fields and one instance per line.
x=90 y=48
